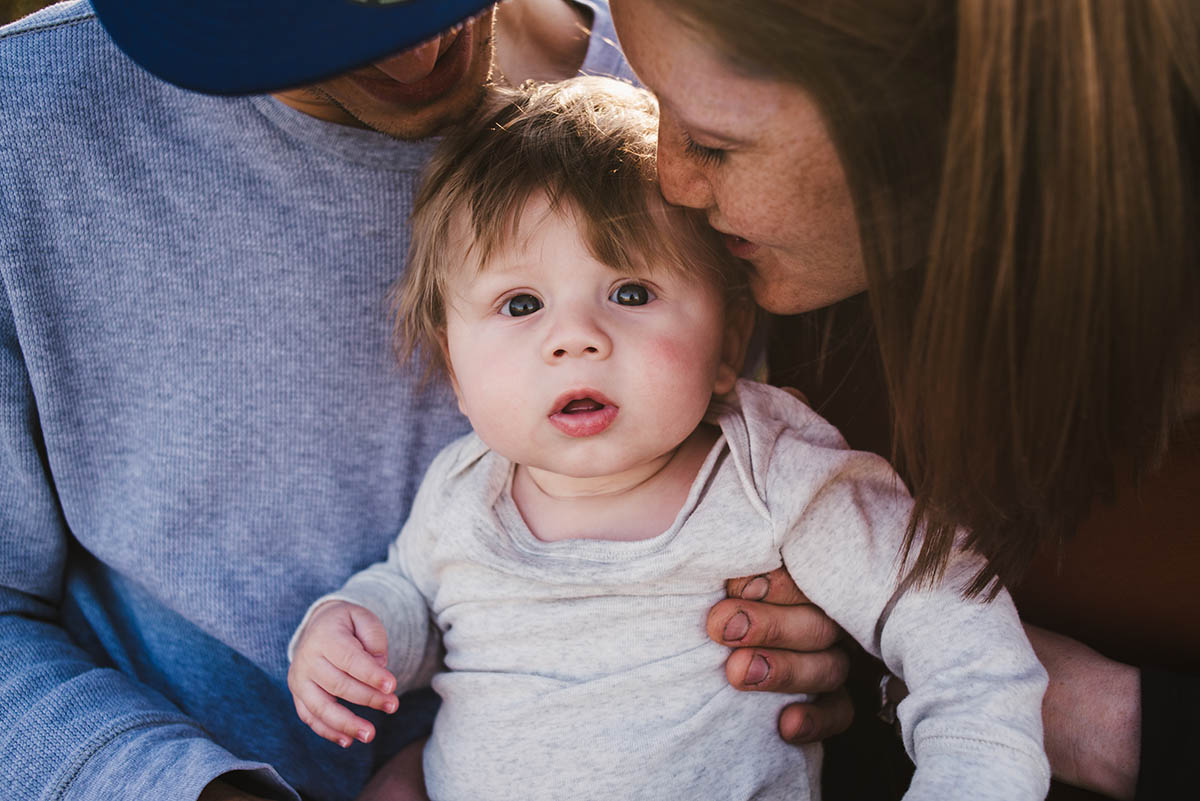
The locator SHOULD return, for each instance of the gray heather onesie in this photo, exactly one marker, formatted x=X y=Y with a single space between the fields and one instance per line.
x=580 y=669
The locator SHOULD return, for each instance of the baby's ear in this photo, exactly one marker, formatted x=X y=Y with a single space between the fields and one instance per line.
x=739 y=326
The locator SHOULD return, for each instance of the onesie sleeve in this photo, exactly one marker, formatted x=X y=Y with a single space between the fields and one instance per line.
x=972 y=722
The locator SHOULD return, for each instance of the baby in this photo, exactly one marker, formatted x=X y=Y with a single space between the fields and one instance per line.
x=568 y=551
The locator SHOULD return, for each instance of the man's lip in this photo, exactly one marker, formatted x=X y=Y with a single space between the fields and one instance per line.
x=451 y=65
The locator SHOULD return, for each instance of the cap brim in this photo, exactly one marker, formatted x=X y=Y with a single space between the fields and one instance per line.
x=254 y=46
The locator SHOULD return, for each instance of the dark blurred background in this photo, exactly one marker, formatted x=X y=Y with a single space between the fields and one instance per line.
x=14 y=9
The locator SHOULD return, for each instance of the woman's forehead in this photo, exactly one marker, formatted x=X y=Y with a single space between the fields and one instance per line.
x=693 y=81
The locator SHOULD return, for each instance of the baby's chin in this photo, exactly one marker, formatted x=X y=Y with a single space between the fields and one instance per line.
x=594 y=478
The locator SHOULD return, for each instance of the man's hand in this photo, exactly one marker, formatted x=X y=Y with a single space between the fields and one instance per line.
x=784 y=643
x=342 y=653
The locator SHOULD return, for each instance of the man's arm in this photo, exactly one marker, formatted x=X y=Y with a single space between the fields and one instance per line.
x=72 y=728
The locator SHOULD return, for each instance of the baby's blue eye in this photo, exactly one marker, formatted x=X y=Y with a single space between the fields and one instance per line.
x=520 y=305
x=631 y=295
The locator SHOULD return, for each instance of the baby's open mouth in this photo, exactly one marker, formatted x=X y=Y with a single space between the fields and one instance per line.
x=583 y=413
x=582 y=405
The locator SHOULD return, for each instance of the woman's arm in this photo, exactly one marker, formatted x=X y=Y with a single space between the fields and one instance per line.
x=1092 y=714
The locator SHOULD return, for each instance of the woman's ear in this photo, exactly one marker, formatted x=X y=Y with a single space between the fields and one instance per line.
x=739 y=326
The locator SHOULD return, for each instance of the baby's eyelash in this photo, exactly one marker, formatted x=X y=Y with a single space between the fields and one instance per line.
x=520 y=304
x=705 y=155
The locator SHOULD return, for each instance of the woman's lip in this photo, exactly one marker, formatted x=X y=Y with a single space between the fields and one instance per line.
x=741 y=248
x=451 y=65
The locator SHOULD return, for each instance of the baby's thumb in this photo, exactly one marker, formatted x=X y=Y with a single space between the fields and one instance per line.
x=371 y=633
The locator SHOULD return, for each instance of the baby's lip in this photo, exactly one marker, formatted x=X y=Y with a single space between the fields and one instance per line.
x=580 y=400
x=582 y=413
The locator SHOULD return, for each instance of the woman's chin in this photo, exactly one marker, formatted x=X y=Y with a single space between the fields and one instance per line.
x=779 y=289
x=780 y=296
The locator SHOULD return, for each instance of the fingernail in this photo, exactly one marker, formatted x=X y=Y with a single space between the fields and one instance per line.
x=756 y=590
x=758 y=670
x=344 y=742
x=736 y=628
x=363 y=735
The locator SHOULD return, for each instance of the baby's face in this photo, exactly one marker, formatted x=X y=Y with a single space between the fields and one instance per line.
x=564 y=364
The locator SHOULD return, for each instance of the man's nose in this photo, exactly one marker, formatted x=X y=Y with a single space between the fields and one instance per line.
x=576 y=335
x=413 y=64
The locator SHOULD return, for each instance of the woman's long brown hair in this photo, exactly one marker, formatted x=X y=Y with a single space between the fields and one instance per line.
x=1025 y=175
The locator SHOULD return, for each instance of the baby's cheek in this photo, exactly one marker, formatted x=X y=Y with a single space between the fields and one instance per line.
x=682 y=365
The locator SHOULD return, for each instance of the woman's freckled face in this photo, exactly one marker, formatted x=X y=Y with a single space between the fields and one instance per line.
x=755 y=155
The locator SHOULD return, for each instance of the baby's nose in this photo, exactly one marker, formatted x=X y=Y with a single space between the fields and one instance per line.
x=579 y=339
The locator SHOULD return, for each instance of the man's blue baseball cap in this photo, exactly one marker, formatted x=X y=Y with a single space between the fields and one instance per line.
x=253 y=46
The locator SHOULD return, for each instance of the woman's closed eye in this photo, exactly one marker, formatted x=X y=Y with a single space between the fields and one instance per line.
x=701 y=153
x=632 y=295
x=520 y=305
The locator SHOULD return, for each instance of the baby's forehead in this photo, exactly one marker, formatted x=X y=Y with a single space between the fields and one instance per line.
x=660 y=239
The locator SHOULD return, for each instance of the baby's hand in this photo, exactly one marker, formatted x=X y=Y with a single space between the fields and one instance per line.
x=341 y=653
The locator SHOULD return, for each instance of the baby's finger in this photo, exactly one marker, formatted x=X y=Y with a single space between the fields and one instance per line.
x=325 y=709
x=318 y=725
x=369 y=631
x=349 y=656
x=341 y=685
